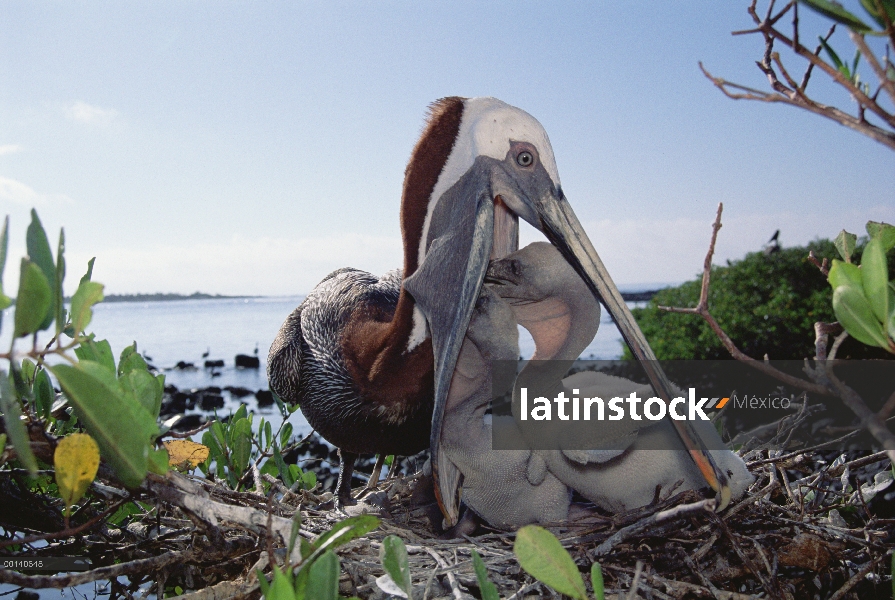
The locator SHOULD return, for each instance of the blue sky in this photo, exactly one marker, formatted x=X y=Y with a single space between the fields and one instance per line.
x=251 y=148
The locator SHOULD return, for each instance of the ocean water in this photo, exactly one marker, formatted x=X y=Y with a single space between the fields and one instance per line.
x=168 y=332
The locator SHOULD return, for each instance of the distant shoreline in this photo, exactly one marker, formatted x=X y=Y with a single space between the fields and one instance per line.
x=170 y=297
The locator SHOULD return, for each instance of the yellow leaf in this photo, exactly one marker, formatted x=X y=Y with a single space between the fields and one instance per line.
x=186 y=453
x=77 y=460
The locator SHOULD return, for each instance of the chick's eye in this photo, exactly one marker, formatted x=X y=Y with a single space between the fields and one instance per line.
x=524 y=159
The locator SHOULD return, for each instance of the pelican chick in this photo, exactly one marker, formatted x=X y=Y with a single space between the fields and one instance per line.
x=627 y=459
x=494 y=482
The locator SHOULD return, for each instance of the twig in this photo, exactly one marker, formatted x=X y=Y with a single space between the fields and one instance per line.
x=822 y=266
x=885 y=83
x=65 y=533
x=638 y=571
x=520 y=593
x=841 y=592
x=647 y=522
x=452 y=579
x=869 y=420
x=888 y=408
x=702 y=310
x=768 y=586
x=822 y=331
x=186 y=434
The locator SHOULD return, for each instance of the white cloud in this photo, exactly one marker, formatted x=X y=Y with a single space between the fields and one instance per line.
x=92 y=115
x=20 y=193
x=9 y=149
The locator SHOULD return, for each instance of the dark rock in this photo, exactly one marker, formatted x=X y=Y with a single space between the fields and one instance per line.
x=212 y=389
x=171 y=389
x=265 y=397
x=175 y=403
x=211 y=401
x=27 y=595
x=182 y=366
x=210 y=364
x=188 y=423
x=238 y=392
x=247 y=362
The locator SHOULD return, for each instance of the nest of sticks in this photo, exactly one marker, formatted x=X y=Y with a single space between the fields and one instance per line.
x=815 y=524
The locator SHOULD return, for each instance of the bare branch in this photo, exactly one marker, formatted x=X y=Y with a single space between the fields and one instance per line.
x=885 y=83
x=872 y=131
x=793 y=93
x=869 y=420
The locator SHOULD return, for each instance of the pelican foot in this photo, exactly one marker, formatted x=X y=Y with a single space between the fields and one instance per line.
x=373 y=504
x=467 y=525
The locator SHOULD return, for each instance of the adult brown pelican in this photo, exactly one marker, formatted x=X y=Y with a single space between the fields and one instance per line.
x=370 y=360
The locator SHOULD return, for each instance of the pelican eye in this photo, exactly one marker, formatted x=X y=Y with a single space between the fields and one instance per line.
x=524 y=159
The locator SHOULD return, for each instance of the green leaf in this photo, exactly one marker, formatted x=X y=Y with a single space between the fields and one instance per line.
x=44 y=395
x=281 y=586
x=845 y=244
x=240 y=413
x=217 y=429
x=845 y=274
x=883 y=231
x=486 y=586
x=267 y=429
x=15 y=428
x=240 y=445
x=875 y=275
x=341 y=533
x=28 y=370
x=301 y=581
x=855 y=315
x=890 y=324
x=596 y=580
x=263 y=583
x=393 y=556
x=89 y=274
x=34 y=300
x=876 y=14
x=323 y=579
x=58 y=298
x=285 y=434
x=5 y=301
x=215 y=451
x=98 y=352
x=122 y=429
x=132 y=362
x=145 y=388
x=39 y=253
x=88 y=294
x=835 y=12
x=837 y=62
x=158 y=461
x=293 y=534
x=308 y=480
x=288 y=480
x=544 y=558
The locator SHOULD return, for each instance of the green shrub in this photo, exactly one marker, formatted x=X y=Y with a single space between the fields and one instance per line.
x=767 y=304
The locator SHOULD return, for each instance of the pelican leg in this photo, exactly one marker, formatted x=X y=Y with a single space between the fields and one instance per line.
x=374 y=476
x=346 y=471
